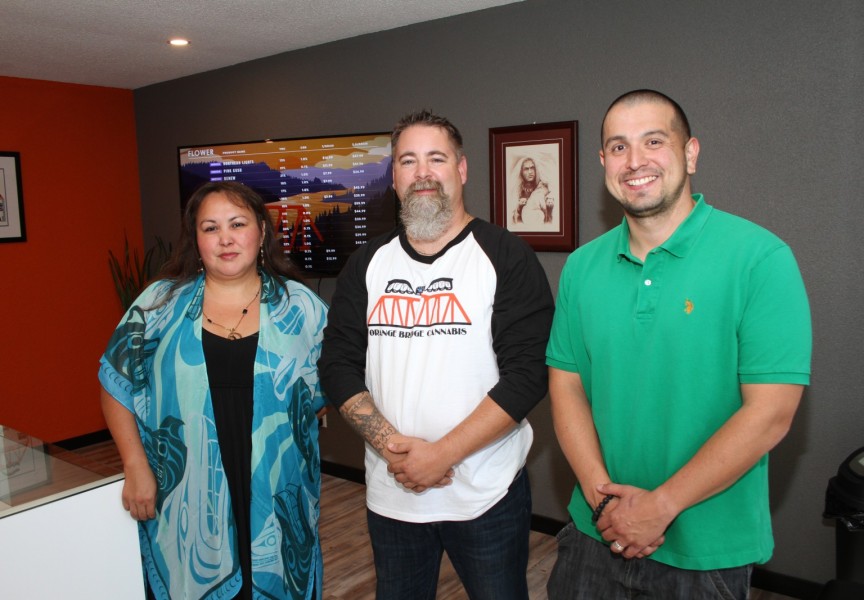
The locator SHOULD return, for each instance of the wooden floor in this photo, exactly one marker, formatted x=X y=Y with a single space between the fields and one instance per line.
x=348 y=568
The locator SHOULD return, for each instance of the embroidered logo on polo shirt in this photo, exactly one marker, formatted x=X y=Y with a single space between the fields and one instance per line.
x=688 y=306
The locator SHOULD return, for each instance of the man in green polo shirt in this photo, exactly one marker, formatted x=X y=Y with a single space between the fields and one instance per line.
x=679 y=352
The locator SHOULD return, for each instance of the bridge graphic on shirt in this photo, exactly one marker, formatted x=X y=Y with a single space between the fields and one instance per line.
x=403 y=305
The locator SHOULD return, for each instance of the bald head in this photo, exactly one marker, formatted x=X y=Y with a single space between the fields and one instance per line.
x=680 y=122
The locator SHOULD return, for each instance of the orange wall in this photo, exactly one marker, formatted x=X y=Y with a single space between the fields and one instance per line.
x=57 y=303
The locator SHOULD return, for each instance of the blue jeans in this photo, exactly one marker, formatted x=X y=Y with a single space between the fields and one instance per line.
x=587 y=570
x=489 y=553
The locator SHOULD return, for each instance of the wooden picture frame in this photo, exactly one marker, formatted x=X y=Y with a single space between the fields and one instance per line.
x=533 y=187
x=11 y=199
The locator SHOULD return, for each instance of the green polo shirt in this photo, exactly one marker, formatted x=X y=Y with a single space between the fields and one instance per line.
x=662 y=348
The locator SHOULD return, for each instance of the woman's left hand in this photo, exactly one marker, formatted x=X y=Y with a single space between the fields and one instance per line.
x=139 y=491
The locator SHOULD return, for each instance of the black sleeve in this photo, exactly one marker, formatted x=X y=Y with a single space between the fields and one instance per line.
x=342 y=365
x=521 y=320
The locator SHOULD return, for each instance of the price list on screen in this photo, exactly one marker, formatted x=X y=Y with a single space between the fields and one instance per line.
x=325 y=196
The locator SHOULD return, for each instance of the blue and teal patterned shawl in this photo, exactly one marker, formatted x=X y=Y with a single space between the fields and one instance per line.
x=154 y=366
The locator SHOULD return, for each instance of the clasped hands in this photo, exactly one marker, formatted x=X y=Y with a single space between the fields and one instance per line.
x=635 y=521
x=417 y=464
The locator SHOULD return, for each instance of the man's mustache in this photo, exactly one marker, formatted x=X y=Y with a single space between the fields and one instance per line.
x=426 y=185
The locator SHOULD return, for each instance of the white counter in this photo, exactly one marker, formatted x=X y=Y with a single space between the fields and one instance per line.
x=63 y=531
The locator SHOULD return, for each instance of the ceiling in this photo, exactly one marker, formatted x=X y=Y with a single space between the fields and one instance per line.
x=123 y=43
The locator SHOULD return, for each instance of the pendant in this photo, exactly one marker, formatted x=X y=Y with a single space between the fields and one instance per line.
x=234 y=336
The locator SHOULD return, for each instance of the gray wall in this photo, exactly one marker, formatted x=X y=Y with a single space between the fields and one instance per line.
x=773 y=90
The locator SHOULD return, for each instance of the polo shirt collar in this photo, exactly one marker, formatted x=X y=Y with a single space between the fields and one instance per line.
x=681 y=241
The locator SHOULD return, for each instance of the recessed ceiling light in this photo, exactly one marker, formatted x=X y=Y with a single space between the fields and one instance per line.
x=178 y=42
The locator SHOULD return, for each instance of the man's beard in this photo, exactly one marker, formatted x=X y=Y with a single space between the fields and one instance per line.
x=528 y=187
x=426 y=217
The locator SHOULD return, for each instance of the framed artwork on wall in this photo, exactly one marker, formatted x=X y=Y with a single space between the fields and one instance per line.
x=533 y=183
x=11 y=199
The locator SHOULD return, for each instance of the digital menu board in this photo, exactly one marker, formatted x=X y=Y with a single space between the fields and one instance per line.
x=325 y=195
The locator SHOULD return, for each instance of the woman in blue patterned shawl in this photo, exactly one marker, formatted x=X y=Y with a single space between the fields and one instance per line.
x=210 y=390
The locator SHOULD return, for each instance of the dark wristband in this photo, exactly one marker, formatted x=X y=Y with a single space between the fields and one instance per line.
x=599 y=510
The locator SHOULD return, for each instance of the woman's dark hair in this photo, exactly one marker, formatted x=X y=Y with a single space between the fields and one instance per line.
x=185 y=261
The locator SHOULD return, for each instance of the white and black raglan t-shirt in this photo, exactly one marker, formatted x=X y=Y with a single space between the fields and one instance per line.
x=429 y=337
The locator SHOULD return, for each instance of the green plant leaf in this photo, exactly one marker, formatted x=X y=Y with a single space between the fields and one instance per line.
x=131 y=275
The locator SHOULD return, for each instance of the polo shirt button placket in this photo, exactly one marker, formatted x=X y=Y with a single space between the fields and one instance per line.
x=650 y=289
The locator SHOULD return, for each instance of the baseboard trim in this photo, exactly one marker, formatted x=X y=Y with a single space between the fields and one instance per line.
x=88 y=439
x=343 y=472
x=785 y=584
x=546 y=525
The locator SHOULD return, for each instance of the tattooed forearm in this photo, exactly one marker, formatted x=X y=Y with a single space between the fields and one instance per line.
x=366 y=420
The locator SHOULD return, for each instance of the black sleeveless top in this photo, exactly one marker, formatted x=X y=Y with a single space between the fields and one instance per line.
x=230 y=370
